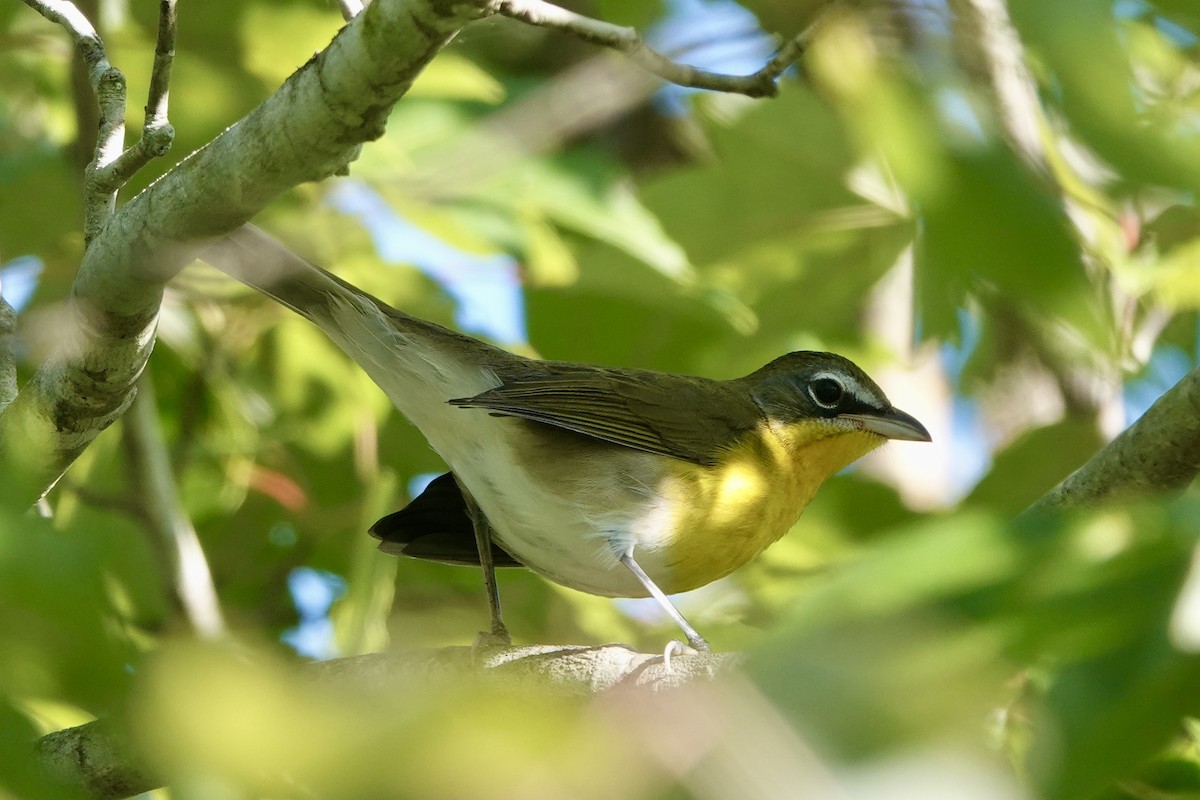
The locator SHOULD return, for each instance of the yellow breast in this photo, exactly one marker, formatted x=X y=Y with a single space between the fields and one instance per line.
x=729 y=513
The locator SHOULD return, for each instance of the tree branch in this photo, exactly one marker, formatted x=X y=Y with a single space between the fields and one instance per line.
x=627 y=40
x=1158 y=453
x=97 y=758
x=305 y=131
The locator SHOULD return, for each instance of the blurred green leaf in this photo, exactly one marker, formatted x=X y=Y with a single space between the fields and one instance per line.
x=638 y=13
x=782 y=167
x=456 y=78
x=59 y=619
x=591 y=196
x=786 y=17
x=298 y=31
x=447 y=739
x=1031 y=466
x=874 y=654
x=913 y=639
x=1087 y=49
x=988 y=225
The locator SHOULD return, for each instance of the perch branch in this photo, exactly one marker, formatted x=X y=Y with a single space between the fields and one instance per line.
x=97 y=758
x=629 y=42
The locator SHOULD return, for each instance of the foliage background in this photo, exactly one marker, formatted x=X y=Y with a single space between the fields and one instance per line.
x=908 y=635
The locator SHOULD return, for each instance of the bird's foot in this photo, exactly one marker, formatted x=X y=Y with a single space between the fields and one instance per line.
x=489 y=640
x=677 y=648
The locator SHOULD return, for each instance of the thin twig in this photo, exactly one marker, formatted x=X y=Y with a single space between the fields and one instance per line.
x=628 y=41
x=109 y=86
x=164 y=57
x=112 y=165
x=82 y=34
x=157 y=131
x=152 y=475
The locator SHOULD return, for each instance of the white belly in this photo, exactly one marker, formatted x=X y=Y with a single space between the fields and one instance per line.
x=574 y=538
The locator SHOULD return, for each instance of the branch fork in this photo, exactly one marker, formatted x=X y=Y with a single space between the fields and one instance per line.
x=113 y=165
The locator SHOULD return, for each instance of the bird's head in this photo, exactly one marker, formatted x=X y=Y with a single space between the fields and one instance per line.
x=825 y=395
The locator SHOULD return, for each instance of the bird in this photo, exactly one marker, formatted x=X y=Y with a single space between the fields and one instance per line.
x=613 y=481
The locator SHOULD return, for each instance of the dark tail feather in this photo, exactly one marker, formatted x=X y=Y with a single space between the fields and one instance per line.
x=436 y=527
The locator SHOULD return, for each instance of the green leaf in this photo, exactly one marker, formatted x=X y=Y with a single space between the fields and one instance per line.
x=452 y=77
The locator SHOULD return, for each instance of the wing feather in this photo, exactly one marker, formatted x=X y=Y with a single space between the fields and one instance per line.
x=693 y=419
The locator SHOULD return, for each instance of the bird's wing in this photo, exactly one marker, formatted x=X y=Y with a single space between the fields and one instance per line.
x=436 y=527
x=693 y=419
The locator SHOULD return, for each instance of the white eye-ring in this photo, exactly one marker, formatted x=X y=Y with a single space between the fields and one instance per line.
x=826 y=391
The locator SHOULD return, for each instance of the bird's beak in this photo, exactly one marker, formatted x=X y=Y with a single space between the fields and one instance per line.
x=893 y=424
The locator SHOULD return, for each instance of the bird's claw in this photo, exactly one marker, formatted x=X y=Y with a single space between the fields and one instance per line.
x=677 y=648
x=489 y=640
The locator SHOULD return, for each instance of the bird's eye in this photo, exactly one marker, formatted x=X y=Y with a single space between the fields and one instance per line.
x=826 y=392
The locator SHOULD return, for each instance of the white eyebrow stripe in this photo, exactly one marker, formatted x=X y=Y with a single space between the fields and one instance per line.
x=853 y=388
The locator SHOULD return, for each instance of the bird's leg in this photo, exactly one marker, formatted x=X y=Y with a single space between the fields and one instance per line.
x=498 y=635
x=694 y=639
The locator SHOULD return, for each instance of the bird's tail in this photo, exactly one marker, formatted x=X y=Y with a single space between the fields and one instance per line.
x=417 y=364
x=262 y=262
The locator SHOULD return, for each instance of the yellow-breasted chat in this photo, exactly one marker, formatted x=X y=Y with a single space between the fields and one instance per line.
x=617 y=482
